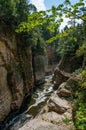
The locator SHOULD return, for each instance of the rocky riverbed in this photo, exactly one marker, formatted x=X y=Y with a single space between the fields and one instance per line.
x=57 y=114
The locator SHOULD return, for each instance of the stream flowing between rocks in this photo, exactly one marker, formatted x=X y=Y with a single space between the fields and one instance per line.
x=31 y=107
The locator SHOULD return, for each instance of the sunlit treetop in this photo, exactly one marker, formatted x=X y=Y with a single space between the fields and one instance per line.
x=54 y=16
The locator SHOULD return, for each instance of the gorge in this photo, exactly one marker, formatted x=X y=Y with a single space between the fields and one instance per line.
x=42 y=68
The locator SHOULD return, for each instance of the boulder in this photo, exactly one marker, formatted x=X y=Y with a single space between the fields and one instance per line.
x=56 y=104
x=59 y=77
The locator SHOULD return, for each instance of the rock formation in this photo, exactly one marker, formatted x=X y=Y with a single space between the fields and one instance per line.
x=14 y=83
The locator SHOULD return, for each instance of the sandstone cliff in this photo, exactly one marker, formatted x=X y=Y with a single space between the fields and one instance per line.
x=16 y=74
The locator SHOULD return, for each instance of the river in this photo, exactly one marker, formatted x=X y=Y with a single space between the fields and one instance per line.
x=31 y=107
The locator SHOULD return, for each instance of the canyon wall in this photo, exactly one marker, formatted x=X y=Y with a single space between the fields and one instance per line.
x=16 y=74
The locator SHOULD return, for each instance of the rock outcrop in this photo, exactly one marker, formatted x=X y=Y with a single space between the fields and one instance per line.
x=16 y=74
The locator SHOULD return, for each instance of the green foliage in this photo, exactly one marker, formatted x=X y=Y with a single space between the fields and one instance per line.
x=80 y=121
x=76 y=11
x=72 y=42
x=66 y=120
x=22 y=11
x=68 y=43
x=8 y=11
x=8 y=8
x=79 y=99
x=80 y=116
x=38 y=43
x=83 y=82
x=81 y=50
x=13 y=12
x=35 y=19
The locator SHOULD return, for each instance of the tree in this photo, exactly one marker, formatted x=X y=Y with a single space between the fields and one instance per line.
x=8 y=11
x=13 y=12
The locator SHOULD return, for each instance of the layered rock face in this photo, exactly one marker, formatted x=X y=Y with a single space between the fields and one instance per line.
x=15 y=80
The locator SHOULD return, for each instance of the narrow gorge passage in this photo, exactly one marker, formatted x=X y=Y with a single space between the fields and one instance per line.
x=31 y=107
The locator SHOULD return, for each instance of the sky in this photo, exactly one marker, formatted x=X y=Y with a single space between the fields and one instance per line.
x=47 y=4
